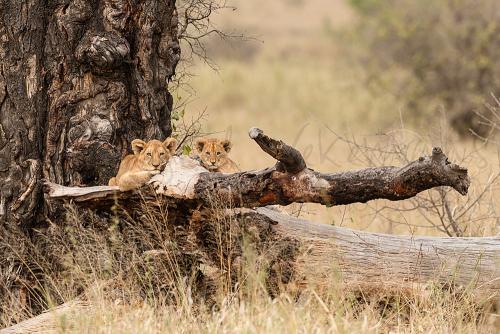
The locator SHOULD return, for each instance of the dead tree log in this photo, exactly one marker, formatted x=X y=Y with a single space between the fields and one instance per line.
x=382 y=262
x=49 y=321
x=362 y=260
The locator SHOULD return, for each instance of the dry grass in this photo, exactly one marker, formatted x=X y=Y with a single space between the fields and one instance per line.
x=282 y=315
x=137 y=277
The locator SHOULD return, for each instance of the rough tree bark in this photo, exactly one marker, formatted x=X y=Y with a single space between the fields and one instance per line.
x=79 y=79
x=22 y=107
x=362 y=260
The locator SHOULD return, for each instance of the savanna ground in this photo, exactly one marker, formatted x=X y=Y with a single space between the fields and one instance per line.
x=297 y=77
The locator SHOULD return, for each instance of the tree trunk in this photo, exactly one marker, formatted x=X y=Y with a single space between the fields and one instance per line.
x=22 y=107
x=79 y=80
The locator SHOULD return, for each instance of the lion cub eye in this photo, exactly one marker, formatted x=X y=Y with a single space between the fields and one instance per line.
x=162 y=154
x=207 y=153
x=148 y=154
x=219 y=153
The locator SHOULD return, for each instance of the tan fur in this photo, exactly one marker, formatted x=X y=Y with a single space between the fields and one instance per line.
x=148 y=160
x=213 y=154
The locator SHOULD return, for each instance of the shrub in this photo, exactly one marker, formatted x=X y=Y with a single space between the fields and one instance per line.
x=434 y=55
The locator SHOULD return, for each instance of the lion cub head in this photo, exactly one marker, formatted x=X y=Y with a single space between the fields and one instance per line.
x=154 y=154
x=213 y=152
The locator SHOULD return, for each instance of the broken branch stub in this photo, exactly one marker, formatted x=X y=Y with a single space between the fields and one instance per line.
x=458 y=175
x=290 y=160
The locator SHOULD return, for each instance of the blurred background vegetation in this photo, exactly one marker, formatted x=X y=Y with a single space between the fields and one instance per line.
x=351 y=84
x=446 y=53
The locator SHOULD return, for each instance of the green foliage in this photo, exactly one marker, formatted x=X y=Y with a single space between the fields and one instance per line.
x=434 y=54
x=366 y=6
x=186 y=150
x=176 y=116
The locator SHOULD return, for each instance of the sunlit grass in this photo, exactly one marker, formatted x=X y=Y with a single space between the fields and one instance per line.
x=435 y=312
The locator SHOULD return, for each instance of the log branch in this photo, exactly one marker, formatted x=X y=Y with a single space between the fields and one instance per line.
x=290 y=160
x=295 y=183
x=50 y=321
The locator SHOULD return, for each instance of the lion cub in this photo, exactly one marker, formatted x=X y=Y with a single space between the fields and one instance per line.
x=213 y=155
x=148 y=160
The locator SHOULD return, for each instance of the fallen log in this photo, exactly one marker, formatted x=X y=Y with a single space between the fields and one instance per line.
x=55 y=320
x=362 y=260
x=382 y=262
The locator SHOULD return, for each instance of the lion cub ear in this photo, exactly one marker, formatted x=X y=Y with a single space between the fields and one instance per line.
x=199 y=144
x=170 y=144
x=138 y=145
x=227 y=145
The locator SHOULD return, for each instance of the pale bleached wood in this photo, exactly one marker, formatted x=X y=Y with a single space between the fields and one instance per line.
x=380 y=262
x=51 y=321
x=179 y=178
x=80 y=194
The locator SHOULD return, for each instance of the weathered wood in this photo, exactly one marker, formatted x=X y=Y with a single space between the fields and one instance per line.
x=80 y=194
x=362 y=260
x=271 y=186
x=51 y=321
x=382 y=262
x=289 y=159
